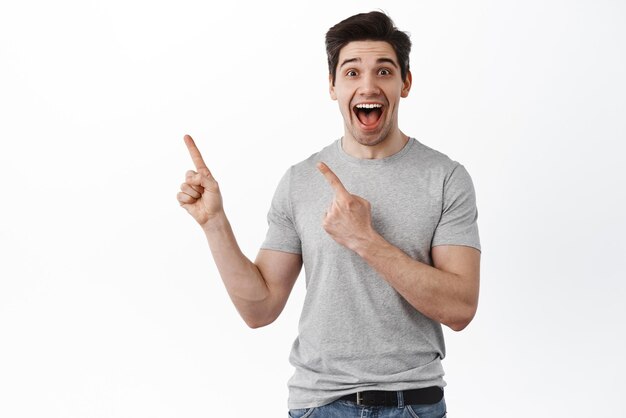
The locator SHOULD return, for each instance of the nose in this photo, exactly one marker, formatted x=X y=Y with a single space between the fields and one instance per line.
x=369 y=87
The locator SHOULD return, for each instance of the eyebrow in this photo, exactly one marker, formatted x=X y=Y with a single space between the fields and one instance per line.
x=378 y=61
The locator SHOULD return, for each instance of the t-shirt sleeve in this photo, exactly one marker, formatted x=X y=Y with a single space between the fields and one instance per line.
x=281 y=233
x=459 y=219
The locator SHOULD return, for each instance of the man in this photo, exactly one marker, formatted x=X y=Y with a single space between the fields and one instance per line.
x=387 y=235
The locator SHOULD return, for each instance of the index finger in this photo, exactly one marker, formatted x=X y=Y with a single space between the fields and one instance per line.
x=332 y=179
x=196 y=157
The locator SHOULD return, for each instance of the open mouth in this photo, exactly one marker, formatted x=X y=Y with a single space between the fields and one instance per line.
x=368 y=113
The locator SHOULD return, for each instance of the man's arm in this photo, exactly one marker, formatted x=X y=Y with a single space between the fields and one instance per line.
x=447 y=292
x=259 y=290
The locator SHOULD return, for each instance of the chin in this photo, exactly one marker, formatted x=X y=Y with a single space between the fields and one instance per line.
x=369 y=142
x=371 y=139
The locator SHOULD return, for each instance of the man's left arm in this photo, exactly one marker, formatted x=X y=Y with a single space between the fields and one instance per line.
x=446 y=292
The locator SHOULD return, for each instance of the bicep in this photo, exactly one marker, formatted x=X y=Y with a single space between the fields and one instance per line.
x=279 y=270
x=461 y=261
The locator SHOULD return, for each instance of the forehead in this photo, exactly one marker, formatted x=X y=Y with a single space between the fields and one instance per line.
x=367 y=50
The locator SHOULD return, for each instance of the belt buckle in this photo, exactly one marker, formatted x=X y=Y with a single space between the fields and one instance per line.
x=359 y=398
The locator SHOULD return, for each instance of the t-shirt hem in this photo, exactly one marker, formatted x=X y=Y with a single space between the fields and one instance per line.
x=284 y=249
x=317 y=402
x=461 y=244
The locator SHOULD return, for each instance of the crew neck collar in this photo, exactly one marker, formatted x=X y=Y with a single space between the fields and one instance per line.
x=374 y=161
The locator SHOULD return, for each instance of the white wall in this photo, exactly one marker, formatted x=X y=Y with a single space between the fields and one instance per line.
x=110 y=305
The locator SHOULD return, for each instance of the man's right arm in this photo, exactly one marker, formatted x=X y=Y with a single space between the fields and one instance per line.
x=259 y=290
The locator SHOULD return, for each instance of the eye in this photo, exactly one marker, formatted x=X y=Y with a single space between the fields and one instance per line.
x=384 y=71
x=351 y=73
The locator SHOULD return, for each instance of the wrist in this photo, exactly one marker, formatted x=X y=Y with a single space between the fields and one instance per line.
x=215 y=222
x=369 y=245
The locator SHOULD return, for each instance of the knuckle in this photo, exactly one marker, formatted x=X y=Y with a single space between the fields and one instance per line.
x=210 y=182
x=185 y=198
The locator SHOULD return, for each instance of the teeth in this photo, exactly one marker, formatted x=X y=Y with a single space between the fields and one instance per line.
x=369 y=106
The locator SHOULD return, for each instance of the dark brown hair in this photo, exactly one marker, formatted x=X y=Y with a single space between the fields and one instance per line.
x=372 y=26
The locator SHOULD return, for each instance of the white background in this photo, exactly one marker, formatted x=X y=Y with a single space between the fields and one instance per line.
x=110 y=305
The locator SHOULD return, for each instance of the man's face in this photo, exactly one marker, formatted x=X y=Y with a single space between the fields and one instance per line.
x=368 y=87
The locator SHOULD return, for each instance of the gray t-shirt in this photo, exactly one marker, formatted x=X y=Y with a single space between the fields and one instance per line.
x=355 y=331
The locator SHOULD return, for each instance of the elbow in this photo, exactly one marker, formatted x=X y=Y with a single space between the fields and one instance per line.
x=260 y=313
x=459 y=325
x=258 y=322
x=460 y=322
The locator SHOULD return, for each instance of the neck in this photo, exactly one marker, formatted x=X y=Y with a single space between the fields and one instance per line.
x=389 y=146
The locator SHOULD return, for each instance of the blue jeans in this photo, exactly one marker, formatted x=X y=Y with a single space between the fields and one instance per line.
x=347 y=409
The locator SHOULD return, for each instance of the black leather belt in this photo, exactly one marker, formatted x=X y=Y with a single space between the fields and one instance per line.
x=424 y=396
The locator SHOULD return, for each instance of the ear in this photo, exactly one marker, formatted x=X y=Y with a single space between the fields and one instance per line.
x=331 y=87
x=406 y=85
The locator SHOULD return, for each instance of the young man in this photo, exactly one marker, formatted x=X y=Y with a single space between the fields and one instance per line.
x=386 y=230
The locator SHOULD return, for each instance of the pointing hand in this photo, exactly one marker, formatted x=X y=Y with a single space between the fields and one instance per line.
x=348 y=220
x=200 y=194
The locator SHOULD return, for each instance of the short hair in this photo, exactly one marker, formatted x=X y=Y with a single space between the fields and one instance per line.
x=372 y=26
